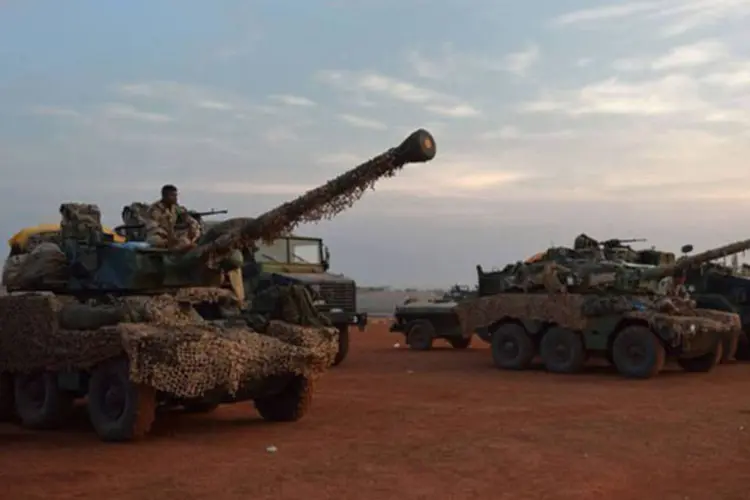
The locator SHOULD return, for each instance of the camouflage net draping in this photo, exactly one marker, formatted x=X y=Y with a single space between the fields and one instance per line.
x=170 y=348
x=45 y=264
x=323 y=202
x=575 y=311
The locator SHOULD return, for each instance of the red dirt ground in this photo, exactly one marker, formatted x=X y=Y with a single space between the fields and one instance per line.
x=393 y=424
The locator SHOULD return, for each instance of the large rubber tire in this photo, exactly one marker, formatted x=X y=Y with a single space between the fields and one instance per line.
x=39 y=401
x=118 y=409
x=7 y=399
x=743 y=347
x=638 y=353
x=459 y=343
x=343 y=344
x=562 y=351
x=512 y=348
x=289 y=405
x=420 y=335
x=704 y=363
x=729 y=348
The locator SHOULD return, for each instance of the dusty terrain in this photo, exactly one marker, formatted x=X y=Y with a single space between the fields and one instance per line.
x=389 y=423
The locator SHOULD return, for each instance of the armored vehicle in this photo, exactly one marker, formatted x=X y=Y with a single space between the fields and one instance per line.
x=565 y=308
x=132 y=328
x=723 y=288
x=711 y=285
x=421 y=322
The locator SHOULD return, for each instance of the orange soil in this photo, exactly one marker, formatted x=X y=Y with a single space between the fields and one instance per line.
x=393 y=424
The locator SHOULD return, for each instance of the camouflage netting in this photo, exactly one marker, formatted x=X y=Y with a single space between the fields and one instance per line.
x=170 y=347
x=574 y=311
x=45 y=264
x=323 y=202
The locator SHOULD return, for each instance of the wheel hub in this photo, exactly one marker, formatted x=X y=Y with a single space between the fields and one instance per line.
x=34 y=388
x=561 y=352
x=635 y=353
x=114 y=400
x=510 y=348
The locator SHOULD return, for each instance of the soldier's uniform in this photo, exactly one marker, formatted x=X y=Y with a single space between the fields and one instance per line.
x=160 y=226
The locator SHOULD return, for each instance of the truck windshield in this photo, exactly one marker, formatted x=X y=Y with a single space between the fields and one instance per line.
x=304 y=251
x=291 y=251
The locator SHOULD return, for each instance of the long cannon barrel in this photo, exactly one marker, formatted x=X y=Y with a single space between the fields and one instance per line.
x=688 y=262
x=319 y=203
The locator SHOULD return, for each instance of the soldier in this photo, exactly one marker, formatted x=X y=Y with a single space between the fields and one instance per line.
x=161 y=223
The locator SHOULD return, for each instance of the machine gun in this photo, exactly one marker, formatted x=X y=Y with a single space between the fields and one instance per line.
x=136 y=231
x=616 y=242
x=199 y=215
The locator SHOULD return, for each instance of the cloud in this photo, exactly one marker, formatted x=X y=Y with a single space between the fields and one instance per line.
x=126 y=111
x=520 y=62
x=673 y=17
x=187 y=96
x=373 y=83
x=735 y=76
x=292 y=100
x=671 y=94
x=510 y=133
x=457 y=111
x=219 y=106
x=360 y=122
x=688 y=56
x=450 y=64
x=339 y=159
x=682 y=57
x=280 y=135
x=605 y=13
x=55 y=111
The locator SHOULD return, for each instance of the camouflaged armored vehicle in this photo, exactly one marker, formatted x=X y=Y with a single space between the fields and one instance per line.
x=564 y=307
x=133 y=328
x=423 y=321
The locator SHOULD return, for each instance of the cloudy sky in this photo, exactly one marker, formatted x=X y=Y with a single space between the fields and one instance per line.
x=626 y=119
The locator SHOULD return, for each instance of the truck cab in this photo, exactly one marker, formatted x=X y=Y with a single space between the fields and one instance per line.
x=305 y=260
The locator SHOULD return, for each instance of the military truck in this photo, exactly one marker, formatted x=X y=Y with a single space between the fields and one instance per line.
x=305 y=260
x=132 y=328
x=566 y=307
x=423 y=321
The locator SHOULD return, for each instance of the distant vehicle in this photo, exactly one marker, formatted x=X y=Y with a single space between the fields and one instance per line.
x=423 y=321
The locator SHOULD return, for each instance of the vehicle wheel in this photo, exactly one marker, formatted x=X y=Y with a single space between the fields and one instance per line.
x=289 y=405
x=512 y=348
x=459 y=343
x=729 y=348
x=118 y=409
x=638 y=353
x=703 y=363
x=39 y=401
x=343 y=344
x=562 y=351
x=200 y=408
x=7 y=401
x=743 y=347
x=420 y=335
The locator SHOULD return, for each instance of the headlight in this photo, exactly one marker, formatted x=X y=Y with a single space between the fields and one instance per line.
x=692 y=328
